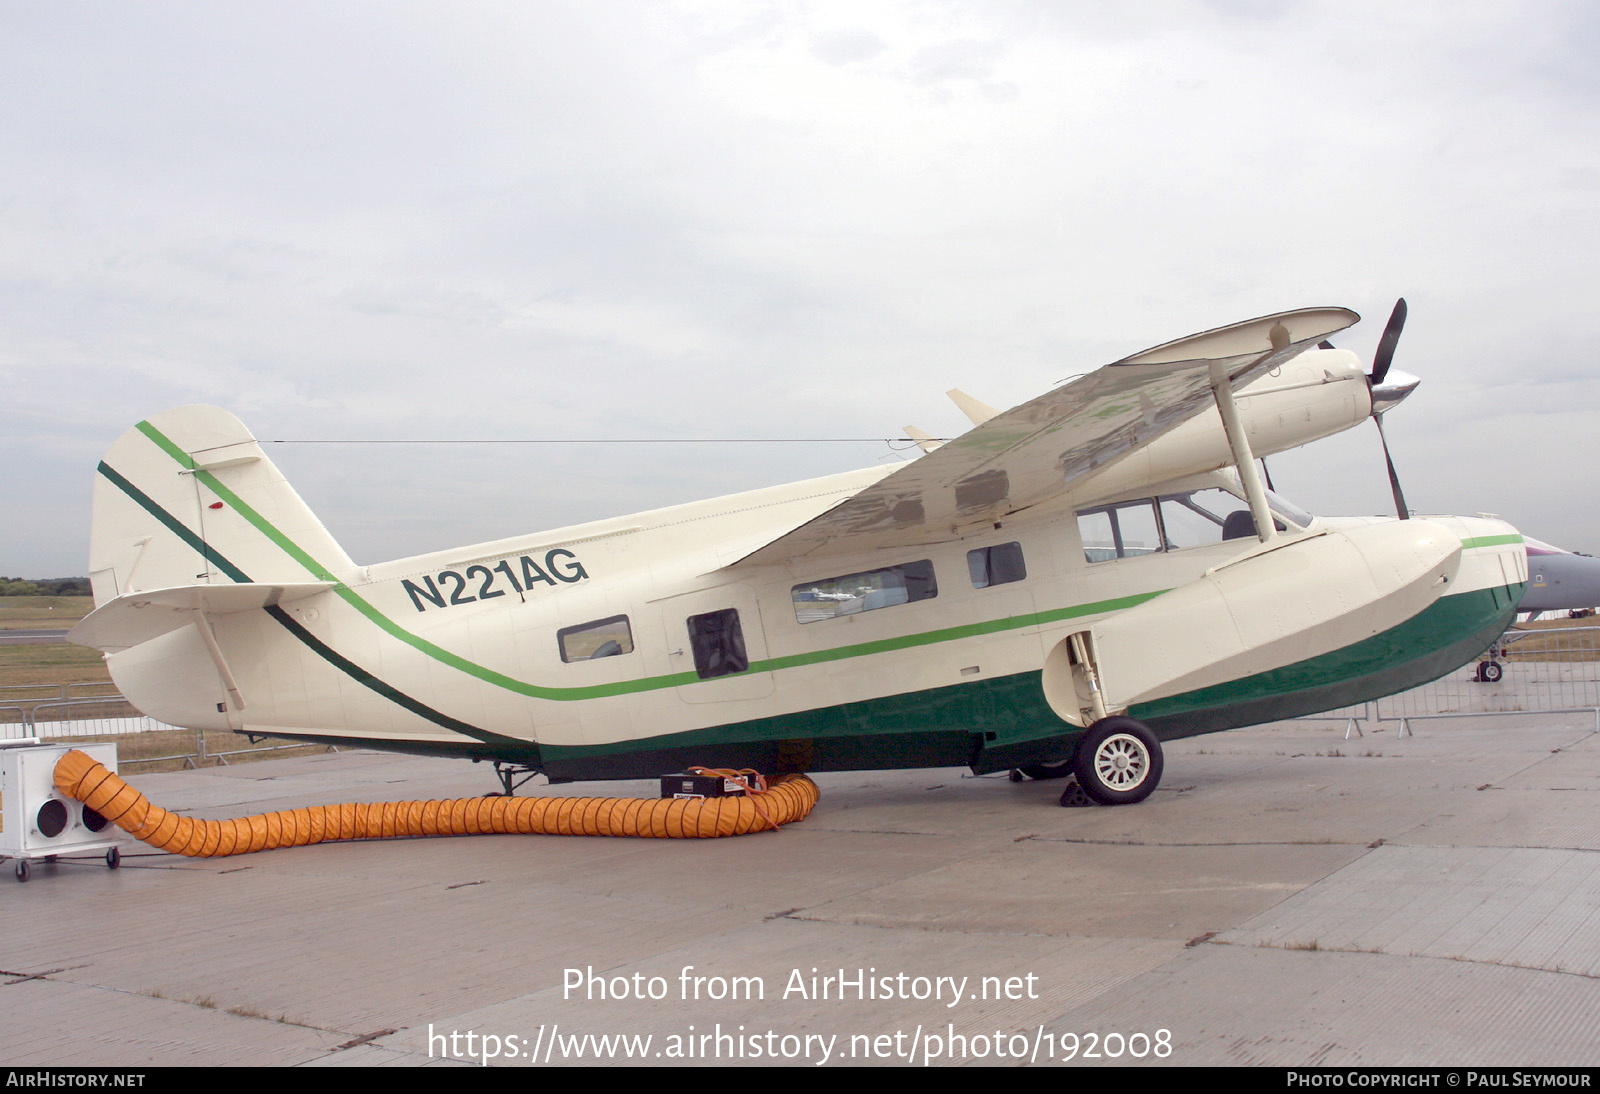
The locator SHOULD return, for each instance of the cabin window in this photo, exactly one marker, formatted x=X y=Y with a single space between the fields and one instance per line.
x=603 y=638
x=864 y=592
x=718 y=644
x=997 y=565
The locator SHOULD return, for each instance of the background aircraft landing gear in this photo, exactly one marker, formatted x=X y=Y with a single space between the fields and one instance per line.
x=1118 y=762
x=1489 y=672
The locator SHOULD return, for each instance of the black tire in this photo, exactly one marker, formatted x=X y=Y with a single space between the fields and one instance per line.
x=1060 y=769
x=1118 y=762
x=113 y=858
x=22 y=869
x=1491 y=672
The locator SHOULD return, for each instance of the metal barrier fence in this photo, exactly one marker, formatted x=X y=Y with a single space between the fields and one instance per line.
x=1548 y=670
x=91 y=689
x=32 y=693
x=107 y=717
x=63 y=717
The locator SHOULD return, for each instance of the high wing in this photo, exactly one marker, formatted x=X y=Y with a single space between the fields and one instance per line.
x=1034 y=452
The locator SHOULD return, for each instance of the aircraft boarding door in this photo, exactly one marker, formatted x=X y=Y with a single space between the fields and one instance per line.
x=716 y=639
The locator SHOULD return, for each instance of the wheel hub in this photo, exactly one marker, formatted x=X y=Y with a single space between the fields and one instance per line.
x=1122 y=762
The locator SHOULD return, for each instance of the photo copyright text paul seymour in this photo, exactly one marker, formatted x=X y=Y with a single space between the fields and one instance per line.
x=925 y=1044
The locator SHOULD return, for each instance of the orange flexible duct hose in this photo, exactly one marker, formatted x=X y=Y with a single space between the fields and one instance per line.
x=790 y=798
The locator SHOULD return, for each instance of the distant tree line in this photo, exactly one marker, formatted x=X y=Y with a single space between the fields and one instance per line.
x=48 y=586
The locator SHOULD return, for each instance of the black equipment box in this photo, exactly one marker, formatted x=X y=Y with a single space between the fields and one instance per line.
x=686 y=785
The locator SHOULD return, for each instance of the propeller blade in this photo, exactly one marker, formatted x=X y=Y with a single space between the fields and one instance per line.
x=1391 y=338
x=1394 y=480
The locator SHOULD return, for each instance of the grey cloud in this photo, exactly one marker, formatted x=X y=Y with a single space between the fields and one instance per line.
x=958 y=60
x=846 y=46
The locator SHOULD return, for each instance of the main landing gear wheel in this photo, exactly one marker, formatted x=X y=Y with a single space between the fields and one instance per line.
x=1040 y=772
x=1489 y=672
x=1118 y=762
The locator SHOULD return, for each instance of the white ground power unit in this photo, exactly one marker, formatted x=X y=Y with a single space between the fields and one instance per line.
x=37 y=822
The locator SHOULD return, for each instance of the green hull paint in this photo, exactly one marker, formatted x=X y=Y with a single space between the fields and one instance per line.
x=1392 y=661
x=995 y=724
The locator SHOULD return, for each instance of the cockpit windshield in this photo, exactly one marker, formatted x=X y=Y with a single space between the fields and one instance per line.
x=1285 y=509
x=1233 y=498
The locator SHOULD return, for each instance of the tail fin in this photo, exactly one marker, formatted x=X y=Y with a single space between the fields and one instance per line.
x=188 y=498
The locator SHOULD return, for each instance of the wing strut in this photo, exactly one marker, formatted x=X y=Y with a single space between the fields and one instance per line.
x=1222 y=391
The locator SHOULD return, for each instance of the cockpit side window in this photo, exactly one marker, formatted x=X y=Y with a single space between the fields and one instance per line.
x=1203 y=517
x=1174 y=522
x=1120 y=531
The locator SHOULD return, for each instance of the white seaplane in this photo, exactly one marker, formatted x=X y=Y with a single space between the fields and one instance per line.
x=1057 y=591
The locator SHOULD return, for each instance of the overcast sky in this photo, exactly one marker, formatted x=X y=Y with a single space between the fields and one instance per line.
x=527 y=221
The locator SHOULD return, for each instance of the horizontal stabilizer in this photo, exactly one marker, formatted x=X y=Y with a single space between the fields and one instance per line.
x=1277 y=606
x=133 y=618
